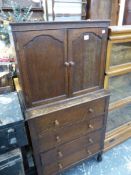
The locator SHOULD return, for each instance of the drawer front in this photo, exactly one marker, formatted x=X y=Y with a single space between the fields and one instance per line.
x=63 y=151
x=70 y=160
x=68 y=116
x=12 y=137
x=51 y=139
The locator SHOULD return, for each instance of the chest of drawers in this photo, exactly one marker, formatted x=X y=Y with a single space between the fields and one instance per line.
x=67 y=132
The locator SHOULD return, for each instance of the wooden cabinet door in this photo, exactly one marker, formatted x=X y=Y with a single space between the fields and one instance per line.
x=41 y=59
x=86 y=54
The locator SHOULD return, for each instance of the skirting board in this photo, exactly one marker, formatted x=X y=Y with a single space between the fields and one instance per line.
x=117 y=136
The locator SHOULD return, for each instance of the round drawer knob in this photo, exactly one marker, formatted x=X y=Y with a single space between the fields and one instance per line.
x=57 y=123
x=90 y=126
x=91 y=110
x=58 y=139
x=89 y=152
x=90 y=140
x=60 y=154
x=60 y=166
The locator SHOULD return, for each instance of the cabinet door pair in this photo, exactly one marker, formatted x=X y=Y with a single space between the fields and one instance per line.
x=56 y=64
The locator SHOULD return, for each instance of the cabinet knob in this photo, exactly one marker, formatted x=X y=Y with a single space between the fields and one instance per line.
x=60 y=154
x=60 y=166
x=58 y=139
x=90 y=126
x=90 y=140
x=57 y=123
x=91 y=110
x=67 y=64
x=71 y=63
x=89 y=152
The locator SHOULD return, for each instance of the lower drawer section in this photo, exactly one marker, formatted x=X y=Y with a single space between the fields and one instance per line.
x=70 y=159
x=51 y=139
x=67 y=149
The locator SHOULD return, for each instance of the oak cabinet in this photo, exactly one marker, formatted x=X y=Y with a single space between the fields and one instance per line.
x=64 y=141
x=119 y=48
x=121 y=53
x=62 y=69
x=118 y=77
x=119 y=86
x=118 y=117
x=55 y=63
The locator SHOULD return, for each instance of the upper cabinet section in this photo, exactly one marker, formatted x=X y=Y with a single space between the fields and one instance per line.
x=60 y=59
x=85 y=51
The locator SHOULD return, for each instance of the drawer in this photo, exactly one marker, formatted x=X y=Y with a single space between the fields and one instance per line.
x=51 y=139
x=12 y=137
x=70 y=115
x=67 y=149
x=70 y=160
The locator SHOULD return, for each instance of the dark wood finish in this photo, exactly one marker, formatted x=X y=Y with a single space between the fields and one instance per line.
x=51 y=139
x=51 y=68
x=45 y=68
x=69 y=148
x=67 y=140
x=62 y=67
x=81 y=154
x=90 y=56
x=102 y=9
x=127 y=14
x=70 y=116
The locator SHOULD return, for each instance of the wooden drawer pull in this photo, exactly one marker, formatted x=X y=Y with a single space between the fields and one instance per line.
x=90 y=126
x=90 y=140
x=58 y=139
x=57 y=123
x=89 y=152
x=60 y=154
x=91 y=110
x=60 y=166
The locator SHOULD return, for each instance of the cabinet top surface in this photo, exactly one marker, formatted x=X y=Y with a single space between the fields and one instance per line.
x=58 y=25
x=49 y=108
x=118 y=30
